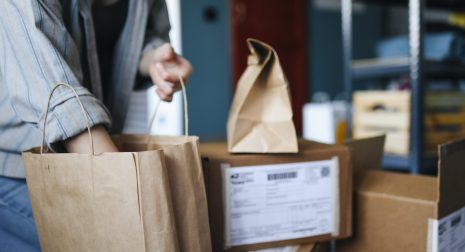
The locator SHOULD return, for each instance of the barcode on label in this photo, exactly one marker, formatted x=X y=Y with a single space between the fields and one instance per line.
x=284 y=175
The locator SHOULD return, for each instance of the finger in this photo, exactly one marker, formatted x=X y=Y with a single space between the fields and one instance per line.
x=169 y=53
x=160 y=52
x=167 y=87
x=163 y=95
x=165 y=74
x=171 y=71
x=183 y=68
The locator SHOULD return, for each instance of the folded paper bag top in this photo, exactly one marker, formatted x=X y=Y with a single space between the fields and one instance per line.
x=260 y=118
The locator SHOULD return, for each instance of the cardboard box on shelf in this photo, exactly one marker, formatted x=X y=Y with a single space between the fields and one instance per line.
x=259 y=201
x=402 y=212
x=388 y=112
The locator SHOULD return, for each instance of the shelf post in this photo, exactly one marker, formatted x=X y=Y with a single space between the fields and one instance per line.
x=346 y=11
x=416 y=29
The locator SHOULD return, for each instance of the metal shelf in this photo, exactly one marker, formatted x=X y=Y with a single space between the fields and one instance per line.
x=385 y=68
x=380 y=68
x=416 y=70
x=453 y=5
x=396 y=162
x=402 y=163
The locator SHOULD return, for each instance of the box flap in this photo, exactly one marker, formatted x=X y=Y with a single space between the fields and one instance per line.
x=451 y=177
x=313 y=144
x=398 y=185
x=367 y=153
x=219 y=149
x=214 y=148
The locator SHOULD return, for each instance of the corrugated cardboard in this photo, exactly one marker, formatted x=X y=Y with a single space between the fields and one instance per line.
x=214 y=154
x=392 y=209
x=312 y=247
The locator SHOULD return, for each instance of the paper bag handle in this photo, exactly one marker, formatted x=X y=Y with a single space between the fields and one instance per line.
x=186 y=117
x=82 y=110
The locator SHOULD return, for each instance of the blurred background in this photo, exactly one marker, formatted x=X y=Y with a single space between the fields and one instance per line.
x=335 y=52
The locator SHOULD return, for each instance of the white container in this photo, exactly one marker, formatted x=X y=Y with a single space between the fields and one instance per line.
x=325 y=122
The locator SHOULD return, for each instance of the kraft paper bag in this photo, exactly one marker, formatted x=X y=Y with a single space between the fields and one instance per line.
x=187 y=186
x=186 y=181
x=107 y=202
x=260 y=118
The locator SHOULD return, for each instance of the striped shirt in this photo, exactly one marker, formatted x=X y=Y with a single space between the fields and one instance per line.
x=44 y=42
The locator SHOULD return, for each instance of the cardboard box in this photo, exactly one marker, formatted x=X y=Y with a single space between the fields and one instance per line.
x=388 y=112
x=402 y=212
x=312 y=247
x=265 y=197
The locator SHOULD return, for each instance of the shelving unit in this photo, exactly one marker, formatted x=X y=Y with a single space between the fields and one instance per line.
x=415 y=66
x=436 y=4
x=403 y=163
x=380 y=68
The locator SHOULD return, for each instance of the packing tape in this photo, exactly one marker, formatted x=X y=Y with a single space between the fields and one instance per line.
x=432 y=242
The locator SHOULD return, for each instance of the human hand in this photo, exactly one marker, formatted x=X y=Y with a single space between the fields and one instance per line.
x=165 y=67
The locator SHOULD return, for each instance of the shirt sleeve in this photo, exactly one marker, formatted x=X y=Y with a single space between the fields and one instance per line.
x=158 y=26
x=38 y=52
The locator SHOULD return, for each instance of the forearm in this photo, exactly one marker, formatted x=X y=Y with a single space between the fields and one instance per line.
x=81 y=143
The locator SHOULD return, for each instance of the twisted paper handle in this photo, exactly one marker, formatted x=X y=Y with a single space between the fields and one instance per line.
x=186 y=117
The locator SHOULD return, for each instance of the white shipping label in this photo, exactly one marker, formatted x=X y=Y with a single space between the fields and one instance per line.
x=276 y=202
x=448 y=234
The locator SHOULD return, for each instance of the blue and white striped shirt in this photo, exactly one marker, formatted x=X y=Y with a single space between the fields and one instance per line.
x=44 y=42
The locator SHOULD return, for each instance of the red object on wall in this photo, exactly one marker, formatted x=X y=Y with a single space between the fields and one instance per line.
x=283 y=25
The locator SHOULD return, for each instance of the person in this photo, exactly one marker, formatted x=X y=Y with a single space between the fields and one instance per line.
x=104 y=49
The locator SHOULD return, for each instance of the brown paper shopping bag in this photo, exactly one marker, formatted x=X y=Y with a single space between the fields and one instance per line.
x=186 y=179
x=260 y=118
x=106 y=202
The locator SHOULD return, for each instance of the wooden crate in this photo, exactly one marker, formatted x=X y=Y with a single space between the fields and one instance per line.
x=388 y=112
